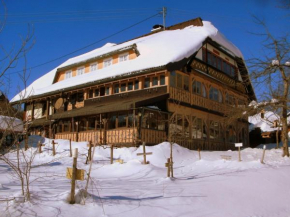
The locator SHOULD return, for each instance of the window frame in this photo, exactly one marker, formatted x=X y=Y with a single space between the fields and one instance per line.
x=121 y=56
x=80 y=70
x=68 y=74
x=108 y=60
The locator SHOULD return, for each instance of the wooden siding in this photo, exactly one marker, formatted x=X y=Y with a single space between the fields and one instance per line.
x=122 y=136
x=153 y=136
x=196 y=100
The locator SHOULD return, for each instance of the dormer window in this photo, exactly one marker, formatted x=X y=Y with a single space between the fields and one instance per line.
x=108 y=62
x=68 y=74
x=123 y=57
x=93 y=67
x=81 y=71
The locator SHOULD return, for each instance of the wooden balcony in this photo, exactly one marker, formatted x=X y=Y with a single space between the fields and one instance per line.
x=219 y=75
x=196 y=100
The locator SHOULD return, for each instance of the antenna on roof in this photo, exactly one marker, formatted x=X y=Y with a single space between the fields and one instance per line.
x=164 y=12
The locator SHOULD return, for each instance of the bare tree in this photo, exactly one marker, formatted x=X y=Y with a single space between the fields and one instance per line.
x=270 y=73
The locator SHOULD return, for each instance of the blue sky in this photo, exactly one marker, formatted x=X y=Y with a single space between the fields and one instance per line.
x=62 y=27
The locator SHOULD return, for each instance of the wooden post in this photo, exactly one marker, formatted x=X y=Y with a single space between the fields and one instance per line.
x=39 y=147
x=90 y=151
x=53 y=147
x=264 y=150
x=144 y=151
x=70 y=151
x=144 y=154
x=168 y=167
x=171 y=159
x=112 y=153
x=73 y=180
x=199 y=154
x=240 y=154
x=26 y=142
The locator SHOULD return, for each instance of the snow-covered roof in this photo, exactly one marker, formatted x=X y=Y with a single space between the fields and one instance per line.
x=11 y=124
x=266 y=123
x=155 y=50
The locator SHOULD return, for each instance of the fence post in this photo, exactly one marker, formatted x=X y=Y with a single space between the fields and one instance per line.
x=264 y=150
x=112 y=153
x=199 y=154
x=53 y=148
x=73 y=179
x=70 y=151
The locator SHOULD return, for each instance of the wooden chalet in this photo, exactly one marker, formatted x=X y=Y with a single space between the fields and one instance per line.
x=153 y=88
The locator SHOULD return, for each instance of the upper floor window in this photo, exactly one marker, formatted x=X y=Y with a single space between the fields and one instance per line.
x=230 y=99
x=68 y=74
x=162 y=79
x=215 y=94
x=123 y=57
x=130 y=86
x=116 y=88
x=178 y=80
x=147 y=83
x=107 y=91
x=123 y=87
x=108 y=62
x=154 y=81
x=136 y=85
x=198 y=88
x=219 y=63
x=94 y=67
x=81 y=71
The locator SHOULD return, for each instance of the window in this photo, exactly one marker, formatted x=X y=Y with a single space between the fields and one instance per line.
x=230 y=100
x=107 y=92
x=186 y=83
x=108 y=62
x=154 y=81
x=122 y=120
x=130 y=86
x=231 y=134
x=68 y=74
x=179 y=80
x=136 y=86
x=123 y=87
x=97 y=92
x=198 y=129
x=91 y=123
x=219 y=63
x=94 y=67
x=215 y=94
x=147 y=83
x=83 y=125
x=123 y=57
x=112 y=121
x=116 y=88
x=81 y=71
x=198 y=88
x=91 y=94
x=66 y=126
x=173 y=79
x=162 y=79
x=214 y=130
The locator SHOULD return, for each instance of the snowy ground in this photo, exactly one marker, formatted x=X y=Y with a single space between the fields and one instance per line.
x=207 y=187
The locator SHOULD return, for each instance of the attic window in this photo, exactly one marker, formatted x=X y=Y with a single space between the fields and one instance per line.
x=81 y=71
x=68 y=74
x=123 y=57
x=108 y=62
x=94 y=67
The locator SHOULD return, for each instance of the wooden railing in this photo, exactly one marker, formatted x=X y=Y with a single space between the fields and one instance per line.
x=193 y=99
x=66 y=135
x=122 y=136
x=153 y=136
x=91 y=136
x=195 y=144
